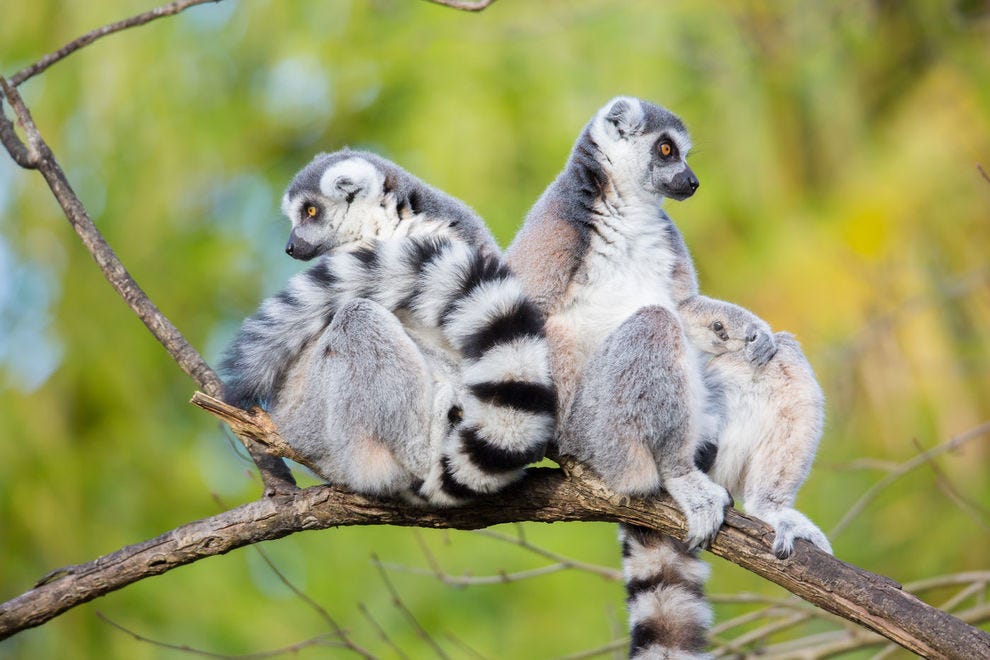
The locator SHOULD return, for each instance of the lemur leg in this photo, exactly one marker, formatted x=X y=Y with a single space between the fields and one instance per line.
x=360 y=403
x=637 y=415
x=668 y=614
x=777 y=468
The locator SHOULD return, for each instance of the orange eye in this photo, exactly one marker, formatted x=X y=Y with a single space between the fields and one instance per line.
x=665 y=149
x=311 y=211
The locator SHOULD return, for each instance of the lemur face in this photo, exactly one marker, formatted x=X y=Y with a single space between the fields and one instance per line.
x=645 y=145
x=718 y=327
x=336 y=200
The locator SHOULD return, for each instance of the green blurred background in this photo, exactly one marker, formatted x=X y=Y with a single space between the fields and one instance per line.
x=837 y=144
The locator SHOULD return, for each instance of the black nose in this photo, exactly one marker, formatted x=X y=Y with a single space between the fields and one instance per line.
x=289 y=248
x=693 y=182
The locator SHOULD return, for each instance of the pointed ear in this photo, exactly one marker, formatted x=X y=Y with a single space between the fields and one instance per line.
x=623 y=117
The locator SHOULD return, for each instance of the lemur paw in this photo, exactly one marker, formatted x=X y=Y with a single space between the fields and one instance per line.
x=790 y=524
x=703 y=503
x=760 y=344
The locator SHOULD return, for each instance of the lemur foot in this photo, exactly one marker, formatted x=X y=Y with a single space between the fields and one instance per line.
x=789 y=524
x=703 y=503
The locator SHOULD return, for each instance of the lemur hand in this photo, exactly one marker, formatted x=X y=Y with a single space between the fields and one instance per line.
x=760 y=344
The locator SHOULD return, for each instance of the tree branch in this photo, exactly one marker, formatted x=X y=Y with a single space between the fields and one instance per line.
x=274 y=472
x=548 y=495
x=91 y=36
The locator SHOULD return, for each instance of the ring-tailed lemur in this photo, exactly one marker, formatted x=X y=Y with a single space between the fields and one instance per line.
x=407 y=360
x=604 y=262
x=769 y=408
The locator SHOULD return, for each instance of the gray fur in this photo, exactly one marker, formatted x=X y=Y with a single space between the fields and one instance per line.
x=769 y=412
x=608 y=266
x=407 y=359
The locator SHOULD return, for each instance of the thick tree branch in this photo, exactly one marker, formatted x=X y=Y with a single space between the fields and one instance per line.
x=548 y=495
x=170 y=9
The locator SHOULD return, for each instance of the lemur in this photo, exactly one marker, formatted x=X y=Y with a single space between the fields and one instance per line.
x=604 y=262
x=407 y=360
x=769 y=415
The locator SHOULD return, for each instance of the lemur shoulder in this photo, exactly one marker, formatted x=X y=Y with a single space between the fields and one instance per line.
x=407 y=360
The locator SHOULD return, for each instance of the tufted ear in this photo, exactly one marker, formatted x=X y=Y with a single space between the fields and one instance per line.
x=623 y=117
x=351 y=179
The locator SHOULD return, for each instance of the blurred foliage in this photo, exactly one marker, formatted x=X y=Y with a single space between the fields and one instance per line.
x=837 y=145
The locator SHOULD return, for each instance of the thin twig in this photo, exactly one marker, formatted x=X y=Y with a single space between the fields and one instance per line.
x=465 y=5
x=614 y=645
x=464 y=646
x=904 y=468
x=338 y=631
x=971 y=509
x=950 y=580
x=983 y=172
x=91 y=36
x=398 y=603
x=381 y=631
x=605 y=572
x=478 y=580
x=292 y=648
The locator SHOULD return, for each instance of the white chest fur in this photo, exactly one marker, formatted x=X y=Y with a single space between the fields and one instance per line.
x=627 y=267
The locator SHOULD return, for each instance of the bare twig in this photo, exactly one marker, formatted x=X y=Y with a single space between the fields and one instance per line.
x=320 y=640
x=338 y=631
x=983 y=172
x=562 y=563
x=904 y=468
x=381 y=631
x=51 y=58
x=971 y=509
x=614 y=645
x=398 y=603
x=465 y=5
x=604 y=571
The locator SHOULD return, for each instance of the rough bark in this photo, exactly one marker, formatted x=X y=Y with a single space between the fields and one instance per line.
x=548 y=495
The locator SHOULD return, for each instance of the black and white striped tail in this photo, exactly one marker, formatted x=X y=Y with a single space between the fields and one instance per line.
x=479 y=306
x=510 y=401
x=668 y=614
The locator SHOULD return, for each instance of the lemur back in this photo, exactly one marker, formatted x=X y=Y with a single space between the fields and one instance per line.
x=607 y=266
x=769 y=412
x=407 y=360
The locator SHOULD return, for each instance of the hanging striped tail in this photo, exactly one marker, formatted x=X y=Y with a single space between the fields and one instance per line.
x=668 y=614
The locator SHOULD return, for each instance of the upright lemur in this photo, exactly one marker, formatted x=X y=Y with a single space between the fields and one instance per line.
x=601 y=259
x=407 y=360
x=610 y=270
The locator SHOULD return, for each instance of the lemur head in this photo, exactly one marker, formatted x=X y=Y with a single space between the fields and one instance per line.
x=335 y=200
x=348 y=198
x=643 y=148
x=718 y=327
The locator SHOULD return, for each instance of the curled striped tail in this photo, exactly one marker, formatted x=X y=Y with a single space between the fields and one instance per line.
x=668 y=614
x=509 y=401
